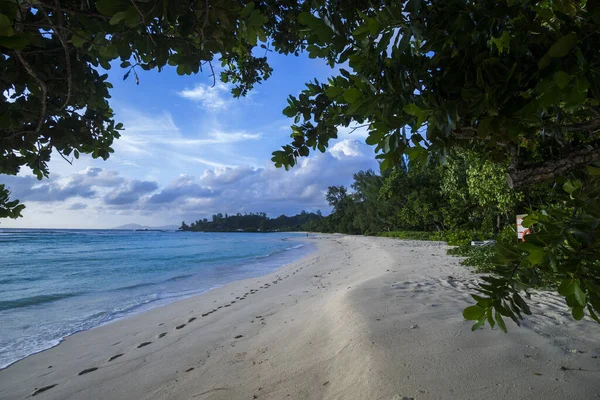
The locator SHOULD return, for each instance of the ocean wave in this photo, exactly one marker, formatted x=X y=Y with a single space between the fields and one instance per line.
x=146 y=284
x=34 y=300
x=136 y=286
x=18 y=280
x=280 y=251
x=178 y=277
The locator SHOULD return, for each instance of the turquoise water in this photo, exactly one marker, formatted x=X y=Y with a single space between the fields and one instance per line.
x=57 y=282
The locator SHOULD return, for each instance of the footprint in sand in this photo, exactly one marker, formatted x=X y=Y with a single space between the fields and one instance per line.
x=227 y=305
x=205 y=314
x=162 y=335
x=143 y=344
x=180 y=326
x=115 y=357
x=191 y=319
x=87 y=371
x=42 y=389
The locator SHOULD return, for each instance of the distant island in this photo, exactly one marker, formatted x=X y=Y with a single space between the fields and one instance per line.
x=138 y=227
x=252 y=222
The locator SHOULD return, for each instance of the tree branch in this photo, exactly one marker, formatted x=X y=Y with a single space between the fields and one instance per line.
x=536 y=173
x=143 y=22
x=64 y=158
x=40 y=82
x=59 y=33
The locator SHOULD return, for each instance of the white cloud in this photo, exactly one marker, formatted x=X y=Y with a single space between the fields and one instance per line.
x=156 y=140
x=102 y=198
x=354 y=130
x=347 y=148
x=212 y=98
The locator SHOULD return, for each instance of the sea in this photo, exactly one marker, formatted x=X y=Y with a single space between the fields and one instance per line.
x=54 y=283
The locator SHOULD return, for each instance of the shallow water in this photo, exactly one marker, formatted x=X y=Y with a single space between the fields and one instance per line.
x=56 y=282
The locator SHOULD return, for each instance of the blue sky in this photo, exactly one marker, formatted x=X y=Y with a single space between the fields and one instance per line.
x=190 y=150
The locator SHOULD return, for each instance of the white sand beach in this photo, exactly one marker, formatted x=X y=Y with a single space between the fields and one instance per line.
x=360 y=318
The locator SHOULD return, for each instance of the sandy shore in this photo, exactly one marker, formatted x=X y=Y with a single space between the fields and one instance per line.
x=361 y=318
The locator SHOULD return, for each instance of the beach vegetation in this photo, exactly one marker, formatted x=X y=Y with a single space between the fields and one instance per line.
x=251 y=222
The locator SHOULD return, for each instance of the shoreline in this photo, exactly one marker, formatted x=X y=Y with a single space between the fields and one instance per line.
x=360 y=318
x=162 y=302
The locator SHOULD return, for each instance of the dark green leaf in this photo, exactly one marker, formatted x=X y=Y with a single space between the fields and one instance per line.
x=6 y=28
x=577 y=313
x=563 y=46
x=473 y=313
x=500 y=322
x=352 y=95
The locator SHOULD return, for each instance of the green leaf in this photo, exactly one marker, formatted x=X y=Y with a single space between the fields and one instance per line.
x=413 y=109
x=577 y=313
x=352 y=95
x=256 y=19
x=562 y=79
x=478 y=324
x=484 y=127
x=594 y=171
x=571 y=186
x=247 y=10
x=536 y=256
x=490 y=318
x=577 y=92
x=503 y=42
x=563 y=46
x=593 y=314
x=566 y=288
x=317 y=25
x=580 y=297
x=118 y=17
x=333 y=91
x=6 y=28
x=373 y=26
x=500 y=322
x=386 y=164
x=17 y=42
x=521 y=303
x=78 y=39
x=416 y=111
x=473 y=313
x=111 y=7
x=374 y=138
x=413 y=6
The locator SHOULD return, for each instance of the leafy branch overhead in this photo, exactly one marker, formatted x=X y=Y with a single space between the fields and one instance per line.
x=518 y=78
x=54 y=53
x=561 y=255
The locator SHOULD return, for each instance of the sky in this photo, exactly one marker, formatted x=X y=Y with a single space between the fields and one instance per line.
x=190 y=150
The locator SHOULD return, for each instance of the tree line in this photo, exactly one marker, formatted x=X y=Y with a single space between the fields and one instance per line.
x=467 y=196
x=251 y=222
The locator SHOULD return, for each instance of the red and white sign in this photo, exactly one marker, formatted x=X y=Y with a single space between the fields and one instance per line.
x=521 y=230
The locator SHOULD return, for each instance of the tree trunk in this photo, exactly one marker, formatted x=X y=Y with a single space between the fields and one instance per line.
x=550 y=169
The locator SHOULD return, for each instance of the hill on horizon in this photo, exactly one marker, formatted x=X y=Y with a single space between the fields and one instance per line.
x=138 y=226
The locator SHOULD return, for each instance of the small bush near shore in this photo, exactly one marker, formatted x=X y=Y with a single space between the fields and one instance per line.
x=409 y=235
x=478 y=257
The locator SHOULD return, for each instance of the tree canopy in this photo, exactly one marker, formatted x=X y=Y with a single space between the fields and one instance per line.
x=250 y=222
x=515 y=81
